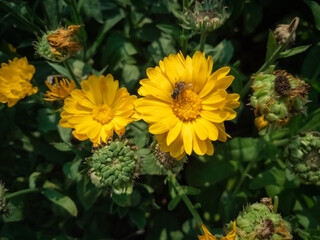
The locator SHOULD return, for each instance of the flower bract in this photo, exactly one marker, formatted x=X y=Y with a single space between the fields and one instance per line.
x=186 y=105
x=15 y=81
x=98 y=109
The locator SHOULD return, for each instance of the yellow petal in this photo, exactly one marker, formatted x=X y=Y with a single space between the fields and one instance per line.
x=174 y=132
x=199 y=146
x=215 y=116
x=163 y=125
x=224 y=83
x=200 y=129
x=187 y=134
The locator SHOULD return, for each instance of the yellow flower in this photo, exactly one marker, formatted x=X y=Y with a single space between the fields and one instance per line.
x=260 y=122
x=98 y=109
x=186 y=105
x=208 y=236
x=59 y=90
x=15 y=80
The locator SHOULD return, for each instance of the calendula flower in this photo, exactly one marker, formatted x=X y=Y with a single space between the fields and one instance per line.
x=15 y=80
x=59 y=90
x=208 y=236
x=186 y=105
x=98 y=109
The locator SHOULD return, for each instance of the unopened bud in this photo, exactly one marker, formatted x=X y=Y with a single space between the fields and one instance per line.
x=283 y=31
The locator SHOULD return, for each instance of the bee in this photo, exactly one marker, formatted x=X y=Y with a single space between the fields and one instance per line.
x=179 y=88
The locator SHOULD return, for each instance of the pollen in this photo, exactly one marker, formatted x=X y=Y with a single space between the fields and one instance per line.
x=102 y=114
x=187 y=105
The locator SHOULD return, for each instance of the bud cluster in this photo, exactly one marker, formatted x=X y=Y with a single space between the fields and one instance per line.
x=303 y=157
x=206 y=16
x=277 y=96
x=115 y=165
x=257 y=222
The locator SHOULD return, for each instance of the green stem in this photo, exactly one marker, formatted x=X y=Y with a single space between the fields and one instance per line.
x=185 y=198
x=276 y=204
x=266 y=65
x=67 y=66
x=243 y=176
x=203 y=38
x=22 y=192
x=184 y=39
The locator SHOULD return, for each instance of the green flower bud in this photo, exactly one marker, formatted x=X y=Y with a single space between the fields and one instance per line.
x=303 y=157
x=3 y=201
x=206 y=16
x=258 y=222
x=115 y=165
x=277 y=95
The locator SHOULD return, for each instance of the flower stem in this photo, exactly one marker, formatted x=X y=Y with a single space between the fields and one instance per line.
x=276 y=204
x=203 y=38
x=22 y=192
x=67 y=66
x=185 y=198
x=243 y=176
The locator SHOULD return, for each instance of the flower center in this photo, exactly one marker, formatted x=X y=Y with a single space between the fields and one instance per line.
x=187 y=105
x=102 y=114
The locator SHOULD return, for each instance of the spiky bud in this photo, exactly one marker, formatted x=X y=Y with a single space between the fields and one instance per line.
x=58 y=45
x=283 y=31
x=303 y=157
x=3 y=201
x=115 y=165
x=205 y=16
x=277 y=95
x=257 y=222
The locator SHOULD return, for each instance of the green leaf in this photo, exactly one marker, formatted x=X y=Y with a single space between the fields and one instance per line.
x=15 y=206
x=221 y=53
x=171 y=30
x=252 y=15
x=124 y=200
x=293 y=51
x=313 y=122
x=47 y=120
x=65 y=133
x=271 y=45
x=87 y=193
x=60 y=69
x=71 y=169
x=53 y=8
x=190 y=190
x=61 y=200
x=130 y=75
x=62 y=146
x=311 y=65
x=92 y=9
x=113 y=18
x=138 y=217
x=33 y=179
x=315 y=8
x=272 y=176
x=174 y=202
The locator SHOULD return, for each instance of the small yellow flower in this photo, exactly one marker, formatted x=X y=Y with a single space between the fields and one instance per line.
x=186 y=105
x=208 y=236
x=260 y=122
x=15 y=80
x=59 y=90
x=98 y=109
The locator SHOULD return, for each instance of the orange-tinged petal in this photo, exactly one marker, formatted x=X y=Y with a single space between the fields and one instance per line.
x=207 y=235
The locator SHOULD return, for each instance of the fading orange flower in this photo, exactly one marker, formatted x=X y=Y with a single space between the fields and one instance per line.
x=62 y=41
x=208 y=236
x=59 y=90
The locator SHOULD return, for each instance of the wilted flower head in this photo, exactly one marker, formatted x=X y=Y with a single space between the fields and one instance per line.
x=15 y=81
x=283 y=31
x=277 y=96
x=303 y=157
x=59 y=44
x=207 y=16
x=115 y=165
x=256 y=221
x=59 y=90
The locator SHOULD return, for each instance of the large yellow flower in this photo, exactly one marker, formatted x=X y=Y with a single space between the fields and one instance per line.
x=59 y=90
x=208 y=236
x=98 y=109
x=186 y=105
x=15 y=80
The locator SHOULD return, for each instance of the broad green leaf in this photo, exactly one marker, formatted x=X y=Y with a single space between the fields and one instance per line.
x=138 y=216
x=33 y=179
x=61 y=200
x=53 y=9
x=221 y=53
x=293 y=51
x=87 y=192
x=315 y=8
x=92 y=9
x=272 y=176
x=313 y=122
x=60 y=69
x=65 y=133
x=130 y=76
x=15 y=206
x=174 y=202
x=271 y=45
x=171 y=30
x=71 y=169
x=47 y=120
x=124 y=200
x=62 y=146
